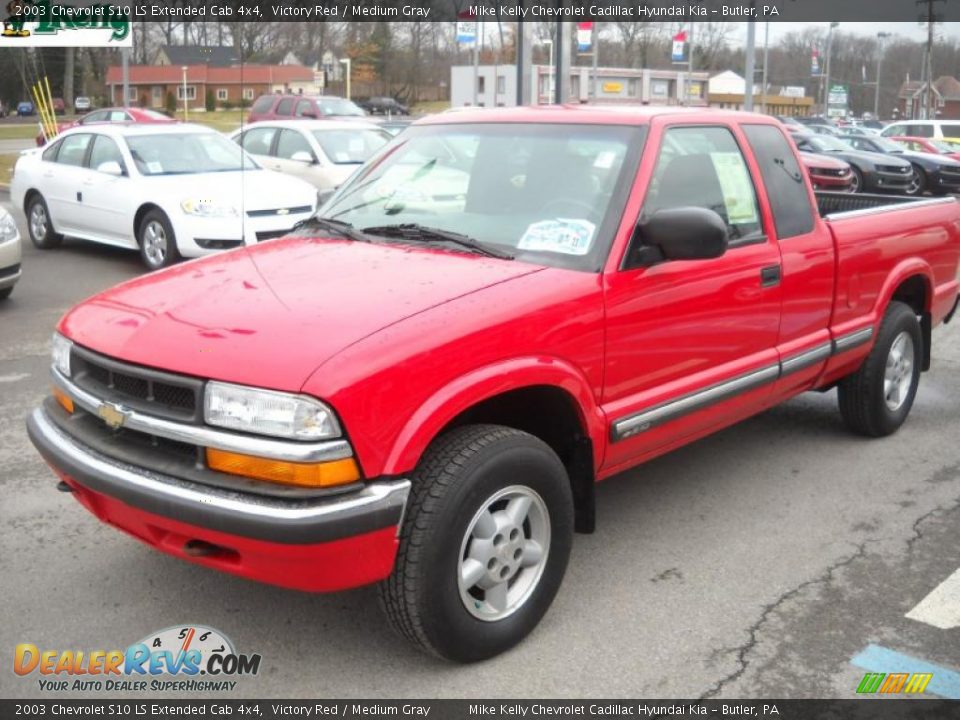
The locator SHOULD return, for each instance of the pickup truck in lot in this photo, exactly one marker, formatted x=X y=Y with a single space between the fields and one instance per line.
x=421 y=386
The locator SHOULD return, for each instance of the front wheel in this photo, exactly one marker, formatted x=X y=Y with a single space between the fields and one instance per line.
x=484 y=545
x=918 y=182
x=856 y=183
x=876 y=399
x=158 y=244
x=39 y=224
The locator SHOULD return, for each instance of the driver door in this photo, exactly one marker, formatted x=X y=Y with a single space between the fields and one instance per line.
x=691 y=344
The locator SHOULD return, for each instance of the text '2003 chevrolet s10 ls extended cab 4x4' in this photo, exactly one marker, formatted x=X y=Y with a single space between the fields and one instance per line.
x=422 y=386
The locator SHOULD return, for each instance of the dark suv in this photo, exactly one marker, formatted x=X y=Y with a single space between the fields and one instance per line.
x=312 y=107
x=384 y=106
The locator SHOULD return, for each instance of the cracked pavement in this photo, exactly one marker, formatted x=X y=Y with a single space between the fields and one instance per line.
x=754 y=563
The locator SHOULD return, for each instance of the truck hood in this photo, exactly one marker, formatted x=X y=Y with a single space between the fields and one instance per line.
x=270 y=314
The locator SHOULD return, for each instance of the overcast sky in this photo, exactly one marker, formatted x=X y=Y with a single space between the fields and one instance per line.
x=913 y=31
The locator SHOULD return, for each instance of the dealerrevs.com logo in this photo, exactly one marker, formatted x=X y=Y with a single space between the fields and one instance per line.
x=47 y=23
x=186 y=658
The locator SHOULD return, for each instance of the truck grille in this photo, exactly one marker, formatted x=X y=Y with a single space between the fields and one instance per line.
x=169 y=396
x=895 y=169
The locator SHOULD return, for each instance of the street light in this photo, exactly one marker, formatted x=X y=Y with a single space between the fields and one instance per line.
x=826 y=71
x=876 y=90
x=549 y=44
x=346 y=61
x=186 y=112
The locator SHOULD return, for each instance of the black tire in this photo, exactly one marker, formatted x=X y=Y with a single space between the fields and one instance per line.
x=918 y=183
x=158 y=244
x=863 y=395
x=40 y=225
x=457 y=476
x=857 y=185
x=5 y=293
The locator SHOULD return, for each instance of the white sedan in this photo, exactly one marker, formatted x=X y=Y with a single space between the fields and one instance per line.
x=171 y=191
x=322 y=152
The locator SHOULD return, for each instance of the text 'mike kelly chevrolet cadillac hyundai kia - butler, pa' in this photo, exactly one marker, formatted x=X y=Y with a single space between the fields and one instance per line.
x=421 y=386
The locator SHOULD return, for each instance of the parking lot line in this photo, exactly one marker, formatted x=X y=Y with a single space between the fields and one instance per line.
x=941 y=608
x=874 y=658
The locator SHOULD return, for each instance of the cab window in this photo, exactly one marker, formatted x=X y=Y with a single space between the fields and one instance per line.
x=783 y=179
x=285 y=107
x=703 y=167
x=50 y=154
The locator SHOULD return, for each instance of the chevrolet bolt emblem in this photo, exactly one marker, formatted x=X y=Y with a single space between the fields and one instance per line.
x=113 y=415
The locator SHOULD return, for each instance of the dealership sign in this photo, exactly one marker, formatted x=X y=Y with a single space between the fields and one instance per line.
x=42 y=23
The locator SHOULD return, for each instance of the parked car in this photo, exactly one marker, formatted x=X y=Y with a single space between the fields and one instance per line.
x=426 y=398
x=872 y=172
x=929 y=145
x=4 y=110
x=827 y=173
x=322 y=152
x=815 y=120
x=830 y=130
x=936 y=174
x=859 y=130
x=923 y=128
x=872 y=124
x=311 y=107
x=82 y=104
x=25 y=109
x=384 y=106
x=169 y=190
x=9 y=254
x=110 y=115
x=59 y=107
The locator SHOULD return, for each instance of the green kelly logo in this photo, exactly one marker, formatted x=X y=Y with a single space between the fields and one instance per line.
x=53 y=18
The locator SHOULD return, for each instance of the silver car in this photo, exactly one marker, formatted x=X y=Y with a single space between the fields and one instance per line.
x=9 y=254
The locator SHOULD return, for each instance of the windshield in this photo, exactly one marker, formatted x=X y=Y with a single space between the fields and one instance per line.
x=339 y=106
x=350 y=147
x=888 y=145
x=826 y=143
x=186 y=154
x=550 y=194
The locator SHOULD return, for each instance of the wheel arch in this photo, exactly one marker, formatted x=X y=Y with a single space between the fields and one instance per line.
x=912 y=284
x=547 y=398
x=139 y=215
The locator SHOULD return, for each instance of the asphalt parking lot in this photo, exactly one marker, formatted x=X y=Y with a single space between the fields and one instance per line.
x=775 y=559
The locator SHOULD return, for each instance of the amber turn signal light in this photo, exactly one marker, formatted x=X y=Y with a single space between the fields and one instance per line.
x=315 y=475
x=65 y=401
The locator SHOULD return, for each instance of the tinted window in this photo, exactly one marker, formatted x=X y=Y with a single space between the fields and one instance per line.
x=949 y=129
x=50 y=154
x=104 y=150
x=259 y=140
x=783 y=178
x=305 y=107
x=920 y=130
x=703 y=167
x=292 y=142
x=263 y=104
x=285 y=107
x=73 y=149
x=98 y=116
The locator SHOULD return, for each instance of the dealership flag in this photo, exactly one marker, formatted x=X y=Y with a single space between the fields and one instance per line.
x=466 y=28
x=815 y=63
x=679 y=46
x=584 y=36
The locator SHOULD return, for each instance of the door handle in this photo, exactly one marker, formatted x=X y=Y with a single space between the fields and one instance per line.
x=770 y=276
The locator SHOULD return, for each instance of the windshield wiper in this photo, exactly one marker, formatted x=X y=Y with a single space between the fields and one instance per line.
x=339 y=227
x=413 y=231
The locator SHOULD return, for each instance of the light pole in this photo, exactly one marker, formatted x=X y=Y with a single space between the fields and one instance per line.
x=186 y=112
x=826 y=71
x=549 y=44
x=876 y=90
x=346 y=62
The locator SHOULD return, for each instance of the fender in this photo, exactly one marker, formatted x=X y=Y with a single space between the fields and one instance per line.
x=486 y=382
x=901 y=272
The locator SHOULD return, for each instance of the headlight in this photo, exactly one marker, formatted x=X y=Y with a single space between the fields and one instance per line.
x=61 y=353
x=266 y=412
x=8 y=227
x=207 y=208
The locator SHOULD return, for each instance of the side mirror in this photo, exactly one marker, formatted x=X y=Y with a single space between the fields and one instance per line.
x=683 y=233
x=111 y=167
x=303 y=156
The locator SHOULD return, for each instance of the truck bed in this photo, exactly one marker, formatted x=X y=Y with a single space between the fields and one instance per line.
x=831 y=204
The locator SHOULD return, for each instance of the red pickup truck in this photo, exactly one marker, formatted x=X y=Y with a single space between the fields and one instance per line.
x=422 y=387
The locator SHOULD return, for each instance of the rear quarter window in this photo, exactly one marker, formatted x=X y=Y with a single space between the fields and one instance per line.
x=262 y=104
x=285 y=107
x=783 y=178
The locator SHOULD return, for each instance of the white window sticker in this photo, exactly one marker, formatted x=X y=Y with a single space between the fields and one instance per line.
x=355 y=145
x=736 y=186
x=605 y=160
x=563 y=235
x=342 y=156
x=154 y=167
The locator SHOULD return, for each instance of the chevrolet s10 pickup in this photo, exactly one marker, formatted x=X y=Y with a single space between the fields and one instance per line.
x=421 y=386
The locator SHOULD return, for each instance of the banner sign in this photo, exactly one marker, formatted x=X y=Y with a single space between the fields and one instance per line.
x=466 y=28
x=50 y=23
x=584 y=36
x=679 y=47
x=815 y=62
